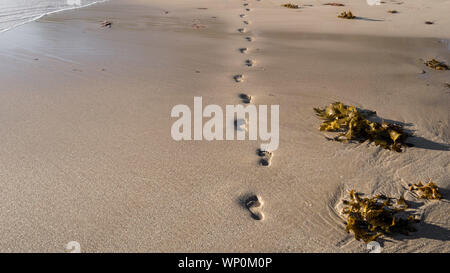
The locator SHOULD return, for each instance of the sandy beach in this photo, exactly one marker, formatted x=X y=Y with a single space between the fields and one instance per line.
x=85 y=118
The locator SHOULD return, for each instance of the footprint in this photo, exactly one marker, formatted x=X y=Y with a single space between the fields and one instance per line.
x=246 y=98
x=246 y=22
x=245 y=4
x=238 y=78
x=241 y=124
x=254 y=204
x=249 y=62
x=242 y=30
x=247 y=9
x=250 y=39
x=243 y=50
x=266 y=157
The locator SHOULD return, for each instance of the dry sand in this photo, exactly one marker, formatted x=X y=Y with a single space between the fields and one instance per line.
x=86 y=152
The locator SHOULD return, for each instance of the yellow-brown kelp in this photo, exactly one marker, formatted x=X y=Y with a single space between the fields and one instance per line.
x=370 y=218
x=438 y=65
x=353 y=125
x=346 y=15
x=290 y=6
x=427 y=191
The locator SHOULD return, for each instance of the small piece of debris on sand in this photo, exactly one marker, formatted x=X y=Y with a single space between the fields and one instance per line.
x=346 y=15
x=290 y=6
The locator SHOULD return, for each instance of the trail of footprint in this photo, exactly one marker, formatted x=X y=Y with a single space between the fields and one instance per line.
x=266 y=157
x=254 y=204
x=238 y=78
x=246 y=98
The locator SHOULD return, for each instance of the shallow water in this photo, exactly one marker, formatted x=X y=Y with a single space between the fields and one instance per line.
x=17 y=12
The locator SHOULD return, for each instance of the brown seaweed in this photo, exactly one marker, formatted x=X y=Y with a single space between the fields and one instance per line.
x=346 y=15
x=354 y=125
x=370 y=218
x=438 y=65
x=290 y=6
x=427 y=191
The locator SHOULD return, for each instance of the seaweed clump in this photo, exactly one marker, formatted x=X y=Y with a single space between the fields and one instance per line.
x=354 y=125
x=370 y=218
x=438 y=65
x=427 y=191
x=290 y=6
x=346 y=15
x=107 y=24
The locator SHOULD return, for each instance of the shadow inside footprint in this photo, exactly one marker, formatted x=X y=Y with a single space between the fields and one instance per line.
x=266 y=157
